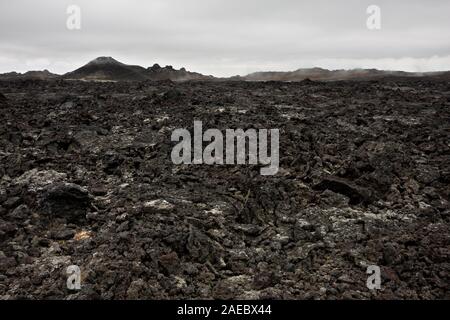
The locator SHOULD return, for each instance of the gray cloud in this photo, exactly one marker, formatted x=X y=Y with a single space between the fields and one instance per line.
x=226 y=37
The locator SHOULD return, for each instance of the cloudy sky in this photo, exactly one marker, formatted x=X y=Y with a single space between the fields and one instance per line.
x=226 y=37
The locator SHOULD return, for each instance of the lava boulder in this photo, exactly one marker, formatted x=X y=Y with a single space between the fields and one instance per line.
x=66 y=200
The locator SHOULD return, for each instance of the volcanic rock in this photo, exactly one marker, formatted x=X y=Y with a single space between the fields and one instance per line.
x=3 y=100
x=66 y=200
x=355 y=193
x=363 y=180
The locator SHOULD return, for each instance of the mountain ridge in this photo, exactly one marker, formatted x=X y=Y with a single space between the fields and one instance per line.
x=321 y=74
x=33 y=74
x=109 y=69
x=105 y=68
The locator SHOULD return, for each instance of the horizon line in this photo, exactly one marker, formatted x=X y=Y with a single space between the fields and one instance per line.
x=236 y=75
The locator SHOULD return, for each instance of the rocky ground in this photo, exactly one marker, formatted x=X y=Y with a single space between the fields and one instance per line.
x=86 y=178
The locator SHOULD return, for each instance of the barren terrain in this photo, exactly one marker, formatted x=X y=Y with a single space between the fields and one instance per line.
x=86 y=178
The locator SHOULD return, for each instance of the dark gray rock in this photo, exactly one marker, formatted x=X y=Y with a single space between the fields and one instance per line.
x=12 y=202
x=66 y=200
x=357 y=194
x=21 y=212
x=64 y=234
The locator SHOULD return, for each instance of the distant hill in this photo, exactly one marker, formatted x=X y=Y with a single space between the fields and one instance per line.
x=328 y=75
x=109 y=69
x=156 y=72
x=42 y=75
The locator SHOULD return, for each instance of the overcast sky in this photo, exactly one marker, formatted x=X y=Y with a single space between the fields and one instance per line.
x=226 y=37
